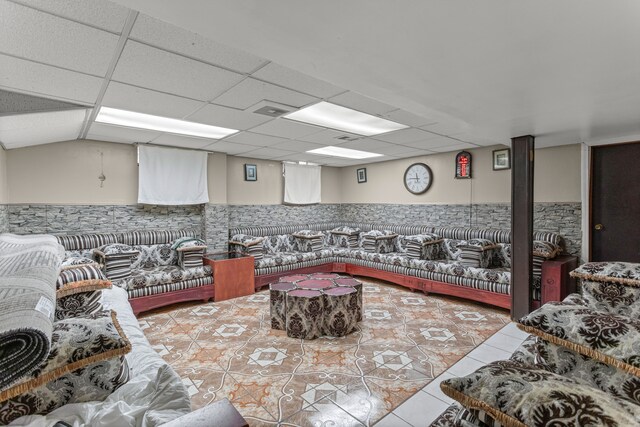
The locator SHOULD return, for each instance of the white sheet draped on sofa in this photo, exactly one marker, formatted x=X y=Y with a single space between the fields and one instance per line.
x=301 y=184
x=170 y=176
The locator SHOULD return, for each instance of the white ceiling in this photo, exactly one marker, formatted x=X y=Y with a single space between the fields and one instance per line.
x=460 y=74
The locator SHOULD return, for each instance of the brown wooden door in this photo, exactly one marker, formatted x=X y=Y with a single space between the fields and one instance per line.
x=615 y=203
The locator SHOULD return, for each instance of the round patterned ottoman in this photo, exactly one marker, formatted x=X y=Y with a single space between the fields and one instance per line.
x=353 y=283
x=277 y=303
x=340 y=317
x=304 y=314
x=315 y=284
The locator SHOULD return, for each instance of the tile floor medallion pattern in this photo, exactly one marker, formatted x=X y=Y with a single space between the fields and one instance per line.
x=228 y=349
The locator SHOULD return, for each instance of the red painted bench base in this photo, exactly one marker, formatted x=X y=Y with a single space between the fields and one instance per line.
x=140 y=304
x=556 y=283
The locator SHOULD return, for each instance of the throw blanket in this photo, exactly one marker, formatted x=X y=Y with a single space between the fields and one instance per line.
x=29 y=267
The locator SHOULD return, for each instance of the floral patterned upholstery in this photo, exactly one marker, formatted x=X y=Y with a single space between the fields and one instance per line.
x=279 y=243
x=451 y=248
x=154 y=255
x=612 y=297
x=626 y=273
x=524 y=395
x=380 y=241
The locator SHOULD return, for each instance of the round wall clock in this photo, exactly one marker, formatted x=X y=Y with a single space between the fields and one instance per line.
x=418 y=178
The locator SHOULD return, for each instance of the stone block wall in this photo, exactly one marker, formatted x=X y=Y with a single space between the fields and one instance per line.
x=251 y=215
x=4 y=219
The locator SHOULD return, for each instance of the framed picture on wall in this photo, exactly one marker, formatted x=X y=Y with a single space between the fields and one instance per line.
x=362 y=175
x=501 y=159
x=250 y=172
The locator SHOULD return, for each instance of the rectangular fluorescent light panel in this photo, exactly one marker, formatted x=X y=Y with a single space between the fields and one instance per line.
x=345 y=119
x=114 y=116
x=343 y=152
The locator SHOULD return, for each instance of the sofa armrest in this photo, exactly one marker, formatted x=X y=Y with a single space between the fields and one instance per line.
x=477 y=253
x=423 y=246
x=308 y=240
x=116 y=259
x=556 y=281
x=191 y=257
x=247 y=245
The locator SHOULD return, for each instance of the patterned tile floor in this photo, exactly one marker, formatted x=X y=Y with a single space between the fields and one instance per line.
x=405 y=340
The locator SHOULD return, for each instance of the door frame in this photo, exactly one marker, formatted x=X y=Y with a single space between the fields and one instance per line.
x=586 y=171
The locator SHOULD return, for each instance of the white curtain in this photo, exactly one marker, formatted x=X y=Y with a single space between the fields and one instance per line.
x=170 y=176
x=301 y=184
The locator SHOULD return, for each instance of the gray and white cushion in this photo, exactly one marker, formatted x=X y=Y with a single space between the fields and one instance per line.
x=80 y=304
x=627 y=273
x=154 y=256
x=116 y=259
x=86 y=278
x=379 y=241
x=75 y=262
x=477 y=253
x=309 y=240
x=420 y=246
x=345 y=237
x=247 y=245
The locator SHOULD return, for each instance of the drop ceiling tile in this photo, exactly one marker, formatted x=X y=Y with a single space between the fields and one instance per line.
x=133 y=98
x=405 y=135
x=217 y=115
x=304 y=157
x=255 y=139
x=453 y=147
x=373 y=146
x=35 y=35
x=34 y=78
x=232 y=148
x=98 y=13
x=414 y=153
x=286 y=129
x=447 y=127
x=297 y=146
x=23 y=130
x=252 y=91
x=428 y=144
x=283 y=76
x=170 y=37
x=121 y=134
x=152 y=68
x=407 y=118
x=181 y=141
x=268 y=153
x=329 y=137
x=362 y=103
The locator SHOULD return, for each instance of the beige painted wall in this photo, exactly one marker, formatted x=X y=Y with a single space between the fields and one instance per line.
x=269 y=188
x=557 y=179
x=67 y=173
x=4 y=197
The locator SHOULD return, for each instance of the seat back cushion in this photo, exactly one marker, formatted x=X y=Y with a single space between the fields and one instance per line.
x=150 y=256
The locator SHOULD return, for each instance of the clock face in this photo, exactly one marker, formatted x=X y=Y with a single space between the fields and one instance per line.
x=418 y=178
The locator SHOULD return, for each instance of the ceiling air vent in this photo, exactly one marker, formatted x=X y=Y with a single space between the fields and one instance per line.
x=268 y=110
x=346 y=138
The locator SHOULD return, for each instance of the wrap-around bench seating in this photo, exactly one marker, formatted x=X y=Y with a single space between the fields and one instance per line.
x=464 y=262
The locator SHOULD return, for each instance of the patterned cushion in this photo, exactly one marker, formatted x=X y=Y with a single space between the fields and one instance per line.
x=153 y=256
x=546 y=250
x=477 y=253
x=77 y=305
x=606 y=337
x=116 y=258
x=380 y=241
x=626 y=273
x=612 y=297
x=286 y=258
x=521 y=395
x=245 y=240
x=279 y=243
x=85 y=363
x=502 y=255
x=309 y=240
x=143 y=277
x=346 y=231
x=188 y=242
x=345 y=240
x=81 y=279
x=420 y=246
x=75 y=262
x=451 y=248
x=256 y=251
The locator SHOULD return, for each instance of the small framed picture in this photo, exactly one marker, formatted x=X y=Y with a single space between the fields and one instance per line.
x=250 y=172
x=362 y=175
x=501 y=159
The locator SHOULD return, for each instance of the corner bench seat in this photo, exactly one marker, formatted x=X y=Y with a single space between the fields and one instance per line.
x=279 y=255
x=156 y=278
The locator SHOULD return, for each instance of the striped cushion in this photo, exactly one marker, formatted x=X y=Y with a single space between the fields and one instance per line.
x=190 y=257
x=156 y=237
x=82 y=279
x=379 y=241
x=116 y=259
x=170 y=287
x=477 y=253
x=421 y=246
x=80 y=304
x=75 y=242
x=546 y=250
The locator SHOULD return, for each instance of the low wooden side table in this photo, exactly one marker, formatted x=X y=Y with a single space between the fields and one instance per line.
x=233 y=275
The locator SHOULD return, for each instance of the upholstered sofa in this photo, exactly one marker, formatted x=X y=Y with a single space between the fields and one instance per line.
x=145 y=264
x=580 y=365
x=465 y=262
